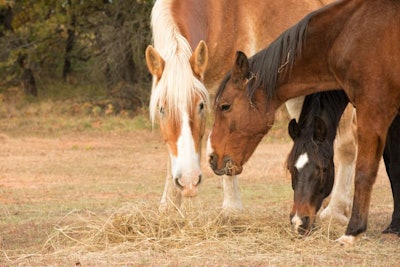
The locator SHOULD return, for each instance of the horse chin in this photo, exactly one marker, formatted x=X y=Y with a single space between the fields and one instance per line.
x=302 y=225
x=302 y=232
x=233 y=170
x=229 y=169
x=219 y=172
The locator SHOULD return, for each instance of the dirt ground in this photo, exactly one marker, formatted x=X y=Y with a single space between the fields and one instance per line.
x=51 y=184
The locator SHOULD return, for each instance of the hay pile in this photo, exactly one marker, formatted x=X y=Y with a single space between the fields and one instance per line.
x=137 y=234
x=142 y=224
x=195 y=230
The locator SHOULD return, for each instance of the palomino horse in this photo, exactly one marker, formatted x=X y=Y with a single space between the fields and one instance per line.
x=310 y=161
x=179 y=96
x=333 y=47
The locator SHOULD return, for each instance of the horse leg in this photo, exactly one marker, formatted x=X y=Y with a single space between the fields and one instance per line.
x=371 y=133
x=345 y=152
x=232 y=200
x=391 y=156
x=171 y=196
x=294 y=107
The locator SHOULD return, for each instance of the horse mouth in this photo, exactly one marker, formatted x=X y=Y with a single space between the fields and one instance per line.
x=188 y=189
x=230 y=169
x=302 y=226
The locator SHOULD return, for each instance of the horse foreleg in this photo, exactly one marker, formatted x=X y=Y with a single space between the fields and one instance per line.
x=294 y=107
x=340 y=203
x=371 y=133
x=391 y=156
x=232 y=200
x=171 y=197
x=345 y=153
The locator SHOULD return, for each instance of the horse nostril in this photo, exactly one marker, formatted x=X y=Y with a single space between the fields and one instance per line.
x=178 y=184
x=213 y=159
x=199 y=181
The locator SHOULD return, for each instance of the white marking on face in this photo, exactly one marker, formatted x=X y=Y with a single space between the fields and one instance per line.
x=296 y=221
x=209 y=149
x=301 y=161
x=187 y=163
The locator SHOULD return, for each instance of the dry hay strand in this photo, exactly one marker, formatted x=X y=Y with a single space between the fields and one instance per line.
x=141 y=225
x=137 y=233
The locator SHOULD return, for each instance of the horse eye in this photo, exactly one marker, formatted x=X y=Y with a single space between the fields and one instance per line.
x=201 y=106
x=225 y=107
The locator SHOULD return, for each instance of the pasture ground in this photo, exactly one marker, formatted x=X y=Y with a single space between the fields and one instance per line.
x=83 y=190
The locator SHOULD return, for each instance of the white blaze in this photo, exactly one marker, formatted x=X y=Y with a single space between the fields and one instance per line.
x=187 y=163
x=301 y=161
x=296 y=221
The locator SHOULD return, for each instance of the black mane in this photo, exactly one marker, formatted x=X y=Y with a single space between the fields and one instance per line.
x=327 y=105
x=277 y=58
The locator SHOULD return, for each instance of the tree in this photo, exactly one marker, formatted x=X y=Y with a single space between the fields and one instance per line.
x=93 y=41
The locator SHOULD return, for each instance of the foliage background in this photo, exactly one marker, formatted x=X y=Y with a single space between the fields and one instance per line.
x=87 y=50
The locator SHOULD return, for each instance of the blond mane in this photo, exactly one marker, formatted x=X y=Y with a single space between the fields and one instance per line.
x=177 y=85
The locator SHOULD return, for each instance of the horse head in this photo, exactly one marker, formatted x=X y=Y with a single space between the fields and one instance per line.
x=310 y=163
x=179 y=100
x=240 y=120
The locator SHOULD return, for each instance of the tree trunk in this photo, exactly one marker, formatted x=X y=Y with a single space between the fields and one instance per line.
x=28 y=82
x=70 y=45
x=6 y=17
x=27 y=79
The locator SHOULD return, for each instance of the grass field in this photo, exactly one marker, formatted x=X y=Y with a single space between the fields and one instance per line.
x=84 y=189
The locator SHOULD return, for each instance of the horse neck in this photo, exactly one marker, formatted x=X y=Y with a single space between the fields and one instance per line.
x=311 y=72
x=231 y=25
x=327 y=105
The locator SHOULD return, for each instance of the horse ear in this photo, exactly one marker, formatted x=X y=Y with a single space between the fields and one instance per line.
x=241 y=68
x=155 y=63
x=294 y=129
x=199 y=59
x=320 y=129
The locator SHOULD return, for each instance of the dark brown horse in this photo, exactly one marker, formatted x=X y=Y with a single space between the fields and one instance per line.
x=354 y=45
x=310 y=161
x=193 y=42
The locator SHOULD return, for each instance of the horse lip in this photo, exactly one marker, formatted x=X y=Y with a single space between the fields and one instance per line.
x=231 y=168
x=219 y=172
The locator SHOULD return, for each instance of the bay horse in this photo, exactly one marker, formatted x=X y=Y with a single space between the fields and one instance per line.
x=310 y=160
x=333 y=47
x=193 y=41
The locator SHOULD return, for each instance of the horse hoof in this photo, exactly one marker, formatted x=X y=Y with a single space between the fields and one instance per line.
x=392 y=230
x=347 y=240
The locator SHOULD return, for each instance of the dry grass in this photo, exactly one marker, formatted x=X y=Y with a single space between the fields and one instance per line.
x=89 y=197
x=136 y=234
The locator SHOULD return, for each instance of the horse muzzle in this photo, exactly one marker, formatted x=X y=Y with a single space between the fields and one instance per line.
x=188 y=188
x=228 y=166
x=301 y=224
